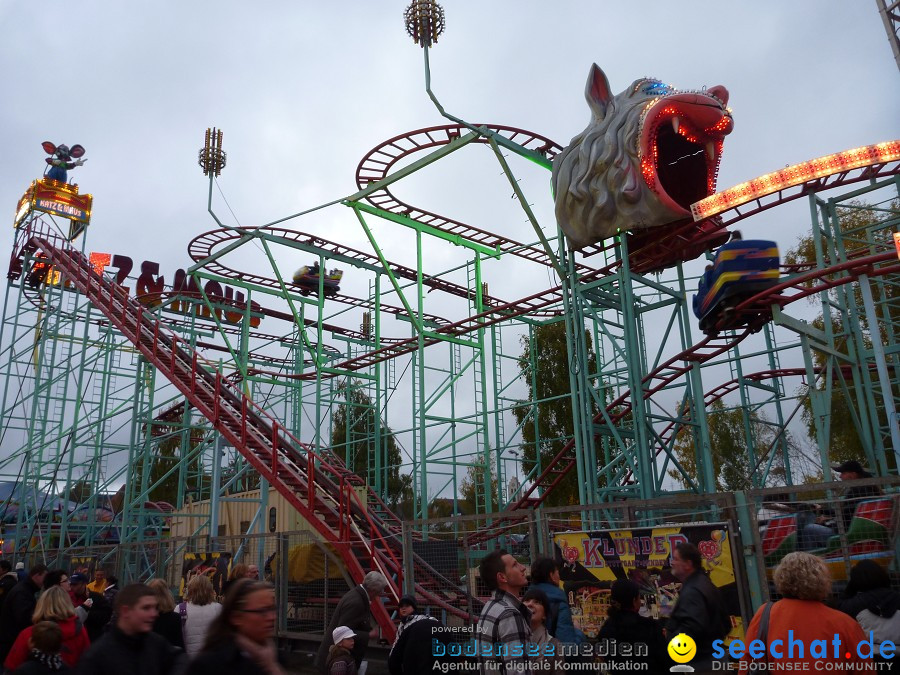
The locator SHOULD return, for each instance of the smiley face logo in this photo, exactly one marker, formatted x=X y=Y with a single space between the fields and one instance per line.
x=682 y=648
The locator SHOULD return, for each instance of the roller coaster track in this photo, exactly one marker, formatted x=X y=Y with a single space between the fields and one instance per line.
x=719 y=392
x=202 y=247
x=361 y=529
x=651 y=256
x=376 y=165
x=655 y=247
x=801 y=286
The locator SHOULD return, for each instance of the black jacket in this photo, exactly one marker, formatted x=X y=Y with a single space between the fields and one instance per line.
x=15 y=615
x=882 y=602
x=224 y=660
x=33 y=667
x=7 y=581
x=413 y=652
x=631 y=628
x=118 y=654
x=168 y=624
x=98 y=616
x=699 y=612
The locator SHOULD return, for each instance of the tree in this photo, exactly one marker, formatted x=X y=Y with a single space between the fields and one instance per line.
x=353 y=436
x=732 y=465
x=165 y=460
x=862 y=227
x=471 y=489
x=549 y=402
x=248 y=477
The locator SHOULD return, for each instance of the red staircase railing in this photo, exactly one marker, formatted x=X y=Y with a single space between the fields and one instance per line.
x=323 y=492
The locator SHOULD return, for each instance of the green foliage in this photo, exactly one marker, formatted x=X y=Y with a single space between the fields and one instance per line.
x=550 y=402
x=165 y=460
x=732 y=467
x=864 y=231
x=471 y=490
x=844 y=440
x=167 y=455
x=353 y=428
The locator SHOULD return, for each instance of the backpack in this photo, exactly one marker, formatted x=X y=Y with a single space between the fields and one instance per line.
x=182 y=612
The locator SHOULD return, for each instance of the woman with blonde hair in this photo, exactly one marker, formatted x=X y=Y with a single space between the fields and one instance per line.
x=54 y=605
x=241 y=641
x=803 y=581
x=197 y=612
x=168 y=621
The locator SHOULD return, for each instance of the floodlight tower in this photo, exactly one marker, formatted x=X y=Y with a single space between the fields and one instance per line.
x=212 y=157
x=424 y=22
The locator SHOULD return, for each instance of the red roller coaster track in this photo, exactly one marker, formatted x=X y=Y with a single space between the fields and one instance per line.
x=705 y=350
x=363 y=531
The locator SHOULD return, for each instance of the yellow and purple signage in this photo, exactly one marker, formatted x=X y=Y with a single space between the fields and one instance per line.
x=589 y=562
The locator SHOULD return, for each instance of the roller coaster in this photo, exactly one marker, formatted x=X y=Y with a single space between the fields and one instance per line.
x=98 y=379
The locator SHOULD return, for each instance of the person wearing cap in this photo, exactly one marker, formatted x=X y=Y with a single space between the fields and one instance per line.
x=353 y=611
x=78 y=592
x=340 y=659
x=853 y=470
x=412 y=651
x=407 y=607
x=21 y=574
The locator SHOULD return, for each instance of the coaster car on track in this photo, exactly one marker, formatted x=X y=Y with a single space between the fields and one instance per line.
x=741 y=269
x=307 y=279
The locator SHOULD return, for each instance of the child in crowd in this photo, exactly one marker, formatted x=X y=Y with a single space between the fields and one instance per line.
x=43 y=651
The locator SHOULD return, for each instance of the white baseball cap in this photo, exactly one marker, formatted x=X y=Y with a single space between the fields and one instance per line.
x=342 y=633
x=20 y=566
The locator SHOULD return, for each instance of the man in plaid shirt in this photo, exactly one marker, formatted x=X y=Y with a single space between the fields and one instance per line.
x=504 y=625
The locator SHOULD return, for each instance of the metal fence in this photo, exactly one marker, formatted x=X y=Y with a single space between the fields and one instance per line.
x=761 y=527
x=441 y=556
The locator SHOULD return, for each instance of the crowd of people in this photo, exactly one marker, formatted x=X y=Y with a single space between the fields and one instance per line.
x=54 y=622
x=518 y=633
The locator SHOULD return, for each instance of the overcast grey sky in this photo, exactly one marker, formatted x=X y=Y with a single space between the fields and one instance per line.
x=304 y=89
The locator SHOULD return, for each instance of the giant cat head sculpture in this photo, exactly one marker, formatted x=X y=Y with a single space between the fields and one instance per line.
x=646 y=156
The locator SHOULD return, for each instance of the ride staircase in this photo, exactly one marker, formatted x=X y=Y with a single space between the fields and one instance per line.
x=336 y=502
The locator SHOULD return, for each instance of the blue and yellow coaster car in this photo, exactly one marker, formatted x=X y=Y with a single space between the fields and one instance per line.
x=307 y=279
x=741 y=269
x=869 y=536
